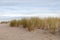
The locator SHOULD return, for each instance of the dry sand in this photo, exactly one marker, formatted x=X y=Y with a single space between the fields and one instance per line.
x=19 y=33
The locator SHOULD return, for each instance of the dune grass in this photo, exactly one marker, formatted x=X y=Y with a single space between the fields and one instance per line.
x=52 y=22
x=31 y=24
x=18 y=23
x=24 y=22
x=4 y=22
x=13 y=23
x=35 y=22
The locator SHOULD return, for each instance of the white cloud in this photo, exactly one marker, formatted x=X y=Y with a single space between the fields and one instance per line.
x=29 y=8
x=31 y=15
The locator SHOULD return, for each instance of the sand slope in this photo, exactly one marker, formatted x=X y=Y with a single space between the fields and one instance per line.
x=19 y=33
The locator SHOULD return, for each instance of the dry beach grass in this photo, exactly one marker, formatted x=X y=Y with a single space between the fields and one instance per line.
x=52 y=24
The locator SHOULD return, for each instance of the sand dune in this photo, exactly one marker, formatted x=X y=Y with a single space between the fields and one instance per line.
x=19 y=33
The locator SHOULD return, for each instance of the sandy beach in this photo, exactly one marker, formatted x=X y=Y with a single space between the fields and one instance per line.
x=19 y=33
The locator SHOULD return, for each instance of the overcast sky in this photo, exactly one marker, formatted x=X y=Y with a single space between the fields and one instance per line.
x=41 y=8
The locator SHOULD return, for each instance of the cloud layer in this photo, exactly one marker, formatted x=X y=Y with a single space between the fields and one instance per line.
x=41 y=8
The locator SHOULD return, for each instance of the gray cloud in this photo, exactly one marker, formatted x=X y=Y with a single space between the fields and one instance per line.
x=29 y=7
x=32 y=2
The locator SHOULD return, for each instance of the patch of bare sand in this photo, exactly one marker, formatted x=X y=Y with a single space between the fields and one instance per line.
x=19 y=33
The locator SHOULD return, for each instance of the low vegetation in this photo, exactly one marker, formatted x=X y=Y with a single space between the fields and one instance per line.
x=13 y=23
x=4 y=22
x=51 y=24
x=24 y=22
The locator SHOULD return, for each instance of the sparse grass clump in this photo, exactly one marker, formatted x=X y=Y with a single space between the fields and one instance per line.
x=13 y=23
x=24 y=22
x=4 y=22
x=18 y=23
x=52 y=24
x=33 y=23
x=30 y=24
